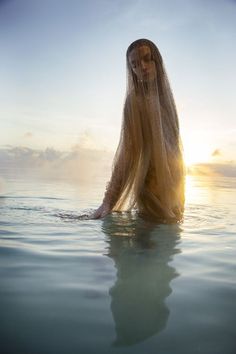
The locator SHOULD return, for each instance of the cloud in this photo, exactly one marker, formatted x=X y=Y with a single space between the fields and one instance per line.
x=86 y=140
x=79 y=164
x=216 y=152
x=28 y=135
x=227 y=169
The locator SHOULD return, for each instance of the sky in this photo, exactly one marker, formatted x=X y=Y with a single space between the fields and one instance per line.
x=63 y=75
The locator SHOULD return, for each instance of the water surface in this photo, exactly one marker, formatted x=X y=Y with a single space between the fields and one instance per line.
x=117 y=285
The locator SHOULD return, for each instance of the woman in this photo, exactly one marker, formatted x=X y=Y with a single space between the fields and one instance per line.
x=148 y=169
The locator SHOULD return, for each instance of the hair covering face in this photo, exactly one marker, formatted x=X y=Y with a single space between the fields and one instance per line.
x=148 y=169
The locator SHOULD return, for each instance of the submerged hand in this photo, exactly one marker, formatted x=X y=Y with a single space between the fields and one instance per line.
x=102 y=211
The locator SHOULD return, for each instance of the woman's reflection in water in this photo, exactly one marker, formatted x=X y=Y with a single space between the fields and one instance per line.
x=141 y=251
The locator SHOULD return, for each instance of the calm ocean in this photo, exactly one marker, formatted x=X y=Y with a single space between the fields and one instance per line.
x=117 y=285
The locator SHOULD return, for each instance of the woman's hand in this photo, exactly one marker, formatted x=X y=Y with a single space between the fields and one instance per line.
x=101 y=212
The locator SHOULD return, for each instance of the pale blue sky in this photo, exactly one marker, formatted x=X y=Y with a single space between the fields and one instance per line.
x=62 y=69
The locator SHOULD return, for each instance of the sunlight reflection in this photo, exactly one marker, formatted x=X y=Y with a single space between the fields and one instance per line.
x=208 y=189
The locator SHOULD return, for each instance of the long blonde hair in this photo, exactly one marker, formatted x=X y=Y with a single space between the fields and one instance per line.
x=149 y=159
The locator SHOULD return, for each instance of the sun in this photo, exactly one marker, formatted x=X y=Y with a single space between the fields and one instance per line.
x=197 y=153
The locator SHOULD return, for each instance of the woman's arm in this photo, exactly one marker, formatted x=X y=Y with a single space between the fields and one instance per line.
x=112 y=192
